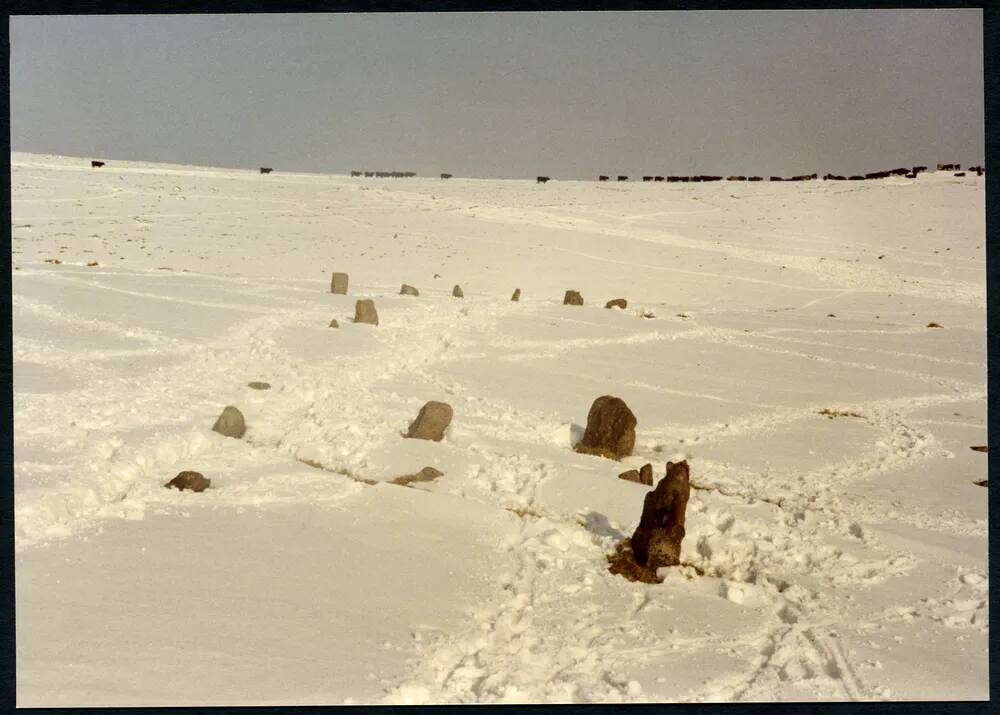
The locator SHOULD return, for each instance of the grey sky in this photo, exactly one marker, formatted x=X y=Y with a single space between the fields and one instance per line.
x=507 y=95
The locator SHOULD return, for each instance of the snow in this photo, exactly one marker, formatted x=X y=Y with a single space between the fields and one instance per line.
x=827 y=557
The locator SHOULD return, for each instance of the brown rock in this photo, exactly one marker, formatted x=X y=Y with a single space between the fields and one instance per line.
x=646 y=475
x=334 y=323
x=230 y=423
x=408 y=290
x=617 y=303
x=516 y=297
x=338 y=283
x=427 y=474
x=930 y=325
x=572 y=298
x=364 y=312
x=456 y=292
x=631 y=475
x=610 y=429
x=189 y=480
x=980 y=448
x=431 y=422
x=657 y=540
x=259 y=385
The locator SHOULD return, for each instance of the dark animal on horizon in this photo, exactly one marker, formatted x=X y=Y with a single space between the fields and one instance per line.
x=686 y=179
x=911 y=176
x=736 y=178
x=855 y=178
x=622 y=178
x=776 y=178
x=369 y=174
x=96 y=164
x=265 y=170
x=409 y=174
x=755 y=178
x=602 y=177
x=899 y=172
x=355 y=173
x=445 y=176
x=657 y=178
x=673 y=179
x=647 y=178
x=959 y=173
x=918 y=169
x=877 y=175
x=542 y=179
x=949 y=167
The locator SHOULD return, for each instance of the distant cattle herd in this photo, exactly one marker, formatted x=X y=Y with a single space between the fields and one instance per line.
x=908 y=172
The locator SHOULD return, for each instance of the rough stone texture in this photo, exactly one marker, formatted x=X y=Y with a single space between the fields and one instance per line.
x=259 y=385
x=610 y=429
x=646 y=475
x=230 y=423
x=364 y=312
x=457 y=292
x=572 y=298
x=432 y=421
x=427 y=474
x=408 y=290
x=516 y=297
x=657 y=540
x=617 y=303
x=338 y=283
x=194 y=481
x=334 y=323
x=631 y=475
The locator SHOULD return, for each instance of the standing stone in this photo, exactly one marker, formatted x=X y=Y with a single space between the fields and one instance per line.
x=646 y=475
x=408 y=290
x=432 y=421
x=517 y=296
x=194 y=481
x=364 y=312
x=334 y=323
x=617 y=303
x=610 y=429
x=657 y=540
x=456 y=292
x=230 y=423
x=572 y=298
x=338 y=284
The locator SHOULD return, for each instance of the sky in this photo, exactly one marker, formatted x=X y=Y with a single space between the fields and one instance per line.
x=507 y=95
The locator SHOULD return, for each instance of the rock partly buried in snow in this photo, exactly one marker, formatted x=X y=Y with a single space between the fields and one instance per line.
x=432 y=421
x=338 y=283
x=631 y=475
x=408 y=290
x=427 y=474
x=617 y=303
x=516 y=297
x=980 y=448
x=610 y=429
x=572 y=298
x=230 y=423
x=334 y=323
x=259 y=385
x=932 y=324
x=193 y=481
x=657 y=540
x=456 y=292
x=364 y=312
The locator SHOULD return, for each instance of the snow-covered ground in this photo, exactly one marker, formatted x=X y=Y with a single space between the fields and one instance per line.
x=826 y=557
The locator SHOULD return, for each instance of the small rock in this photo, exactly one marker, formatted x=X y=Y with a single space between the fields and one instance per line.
x=427 y=474
x=572 y=298
x=610 y=429
x=657 y=540
x=194 y=481
x=929 y=325
x=334 y=323
x=338 y=283
x=631 y=475
x=617 y=303
x=646 y=475
x=982 y=483
x=647 y=314
x=516 y=297
x=230 y=423
x=259 y=385
x=456 y=292
x=830 y=315
x=91 y=264
x=364 y=312
x=980 y=448
x=408 y=290
x=431 y=422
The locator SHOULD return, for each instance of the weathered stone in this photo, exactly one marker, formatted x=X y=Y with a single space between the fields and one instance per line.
x=610 y=429
x=334 y=323
x=364 y=312
x=408 y=290
x=646 y=475
x=259 y=385
x=617 y=303
x=432 y=421
x=932 y=325
x=194 y=481
x=457 y=292
x=657 y=540
x=516 y=297
x=230 y=423
x=572 y=298
x=338 y=283
x=427 y=474
x=631 y=475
